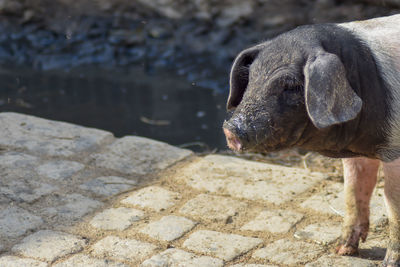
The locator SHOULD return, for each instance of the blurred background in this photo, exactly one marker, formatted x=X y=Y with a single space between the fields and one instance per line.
x=154 y=68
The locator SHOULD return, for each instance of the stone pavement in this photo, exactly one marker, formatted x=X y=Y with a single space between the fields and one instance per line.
x=75 y=196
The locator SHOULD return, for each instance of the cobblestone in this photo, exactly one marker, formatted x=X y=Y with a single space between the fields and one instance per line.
x=12 y=261
x=329 y=260
x=168 y=228
x=15 y=221
x=108 y=186
x=138 y=155
x=176 y=258
x=24 y=189
x=277 y=221
x=111 y=205
x=116 y=218
x=123 y=249
x=281 y=252
x=74 y=206
x=208 y=207
x=221 y=245
x=321 y=233
x=86 y=261
x=375 y=245
x=19 y=181
x=152 y=197
x=49 y=245
x=46 y=137
x=331 y=201
x=59 y=169
x=17 y=160
x=246 y=179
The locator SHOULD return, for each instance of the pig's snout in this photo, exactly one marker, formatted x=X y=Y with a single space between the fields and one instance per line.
x=232 y=140
x=257 y=133
x=236 y=134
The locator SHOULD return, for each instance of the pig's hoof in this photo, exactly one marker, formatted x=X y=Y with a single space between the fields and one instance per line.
x=349 y=246
x=346 y=250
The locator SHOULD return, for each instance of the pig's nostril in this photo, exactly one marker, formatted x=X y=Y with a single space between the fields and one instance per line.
x=232 y=140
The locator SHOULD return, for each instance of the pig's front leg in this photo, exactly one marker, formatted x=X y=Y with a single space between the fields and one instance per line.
x=392 y=200
x=359 y=181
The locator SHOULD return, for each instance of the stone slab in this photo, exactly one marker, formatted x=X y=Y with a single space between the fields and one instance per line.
x=288 y=252
x=328 y=201
x=221 y=245
x=19 y=182
x=116 y=218
x=139 y=155
x=59 y=169
x=15 y=222
x=168 y=228
x=177 y=258
x=113 y=247
x=49 y=245
x=72 y=207
x=12 y=261
x=343 y=261
x=331 y=201
x=108 y=185
x=152 y=197
x=86 y=261
x=47 y=137
x=24 y=188
x=212 y=208
x=274 y=221
x=248 y=179
x=321 y=233
x=14 y=159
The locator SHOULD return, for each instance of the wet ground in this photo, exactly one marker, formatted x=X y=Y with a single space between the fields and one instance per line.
x=162 y=105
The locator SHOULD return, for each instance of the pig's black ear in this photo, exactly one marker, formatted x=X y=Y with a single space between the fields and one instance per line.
x=329 y=97
x=239 y=77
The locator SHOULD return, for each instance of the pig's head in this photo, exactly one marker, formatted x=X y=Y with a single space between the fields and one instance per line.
x=282 y=87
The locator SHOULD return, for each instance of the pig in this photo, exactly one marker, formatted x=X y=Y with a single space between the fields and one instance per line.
x=334 y=89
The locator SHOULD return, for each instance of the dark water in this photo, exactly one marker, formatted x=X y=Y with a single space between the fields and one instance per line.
x=162 y=106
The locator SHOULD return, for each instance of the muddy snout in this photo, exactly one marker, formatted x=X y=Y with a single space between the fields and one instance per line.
x=254 y=133
x=236 y=135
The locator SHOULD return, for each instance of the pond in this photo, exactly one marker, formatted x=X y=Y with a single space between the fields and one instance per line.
x=163 y=105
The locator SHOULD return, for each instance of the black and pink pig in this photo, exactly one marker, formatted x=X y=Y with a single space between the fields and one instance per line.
x=334 y=89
